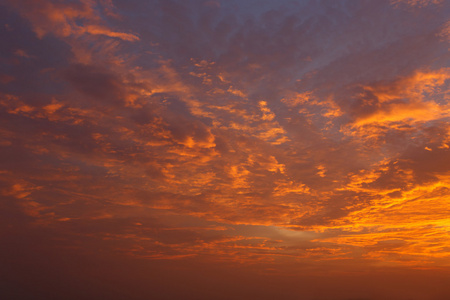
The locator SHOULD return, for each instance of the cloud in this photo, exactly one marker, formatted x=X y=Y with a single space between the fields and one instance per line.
x=94 y=81
x=416 y=3
x=63 y=19
x=270 y=137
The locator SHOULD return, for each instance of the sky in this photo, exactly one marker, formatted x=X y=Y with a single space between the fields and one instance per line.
x=225 y=149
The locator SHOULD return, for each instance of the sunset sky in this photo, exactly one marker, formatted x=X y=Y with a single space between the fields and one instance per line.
x=225 y=149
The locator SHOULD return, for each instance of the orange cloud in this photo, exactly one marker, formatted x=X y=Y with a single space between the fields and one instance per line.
x=61 y=19
x=407 y=101
x=213 y=141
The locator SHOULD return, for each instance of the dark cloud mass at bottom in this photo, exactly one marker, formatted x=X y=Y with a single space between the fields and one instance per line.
x=224 y=149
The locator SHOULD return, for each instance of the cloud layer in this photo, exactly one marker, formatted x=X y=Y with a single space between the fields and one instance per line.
x=272 y=137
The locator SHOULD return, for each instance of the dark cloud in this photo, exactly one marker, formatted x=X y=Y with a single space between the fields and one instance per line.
x=95 y=82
